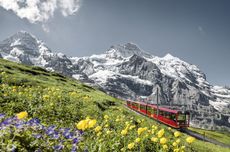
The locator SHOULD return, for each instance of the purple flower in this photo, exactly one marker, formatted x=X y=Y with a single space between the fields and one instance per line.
x=33 y=122
x=58 y=147
x=74 y=148
x=55 y=135
x=49 y=132
x=2 y=115
x=75 y=140
x=37 y=136
x=19 y=125
x=68 y=134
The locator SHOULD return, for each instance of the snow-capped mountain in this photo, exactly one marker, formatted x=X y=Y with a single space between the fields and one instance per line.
x=127 y=71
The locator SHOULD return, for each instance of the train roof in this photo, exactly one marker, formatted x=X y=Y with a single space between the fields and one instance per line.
x=160 y=108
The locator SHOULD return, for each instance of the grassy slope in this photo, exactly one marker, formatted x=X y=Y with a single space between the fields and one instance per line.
x=59 y=108
x=223 y=137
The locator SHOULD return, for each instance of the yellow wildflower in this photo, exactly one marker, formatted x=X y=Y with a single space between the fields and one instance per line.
x=106 y=117
x=169 y=128
x=176 y=150
x=131 y=127
x=163 y=141
x=137 y=140
x=154 y=139
x=190 y=140
x=106 y=125
x=165 y=147
x=182 y=147
x=177 y=134
x=98 y=134
x=92 y=123
x=161 y=133
x=22 y=115
x=174 y=144
x=178 y=141
x=108 y=132
x=140 y=130
x=124 y=132
x=98 y=128
x=131 y=146
x=82 y=125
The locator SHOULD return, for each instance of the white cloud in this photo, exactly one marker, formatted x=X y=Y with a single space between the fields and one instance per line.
x=40 y=11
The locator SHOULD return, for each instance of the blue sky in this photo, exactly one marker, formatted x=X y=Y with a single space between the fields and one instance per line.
x=193 y=30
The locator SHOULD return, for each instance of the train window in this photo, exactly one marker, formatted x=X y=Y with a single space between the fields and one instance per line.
x=167 y=115
x=149 y=109
x=135 y=104
x=172 y=117
x=155 y=111
x=181 y=117
x=161 y=113
x=143 y=107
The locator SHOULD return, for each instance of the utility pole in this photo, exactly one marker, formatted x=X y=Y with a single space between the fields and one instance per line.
x=157 y=103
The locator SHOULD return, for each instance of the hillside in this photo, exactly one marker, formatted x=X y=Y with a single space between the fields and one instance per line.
x=59 y=101
x=127 y=71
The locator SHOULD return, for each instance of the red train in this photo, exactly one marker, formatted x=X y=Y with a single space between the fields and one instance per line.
x=173 y=118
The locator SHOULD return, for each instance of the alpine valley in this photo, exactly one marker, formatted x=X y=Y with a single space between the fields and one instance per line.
x=127 y=72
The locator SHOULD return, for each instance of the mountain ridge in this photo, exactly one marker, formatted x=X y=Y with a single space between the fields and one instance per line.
x=127 y=71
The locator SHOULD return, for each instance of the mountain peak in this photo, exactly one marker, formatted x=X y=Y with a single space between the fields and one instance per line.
x=23 y=41
x=131 y=46
x=126 y=50
x=169 y=56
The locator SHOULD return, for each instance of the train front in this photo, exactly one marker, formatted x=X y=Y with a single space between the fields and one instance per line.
x=183 y=118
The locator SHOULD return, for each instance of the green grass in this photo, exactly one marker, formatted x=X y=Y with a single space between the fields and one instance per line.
x=223 y=137
x=63 y=101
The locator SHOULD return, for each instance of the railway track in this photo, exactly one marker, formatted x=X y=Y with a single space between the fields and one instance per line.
x=203 y=137
x=193 y=134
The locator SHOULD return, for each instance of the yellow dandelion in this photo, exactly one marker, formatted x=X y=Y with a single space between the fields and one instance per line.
x=182 y=147
x=163 y=141
x=124 y=132
x=92 y=123
x=178 y=141
x=22 y=115
x=106 y=117
x=108 y=132
x=177 y=134
x=99 y=133
x=82 y=125
x=190 y=140
x=176 y=150
x=174 y=144
x=131 y=146
x=165 y=147
x=160 y=133
x=98 y=128
x=141 y=130
x=131 y=127
x=137 y=140
x=154 y=139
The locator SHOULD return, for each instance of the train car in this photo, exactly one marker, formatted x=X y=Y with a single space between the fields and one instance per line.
x=173 y=118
